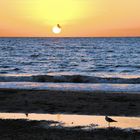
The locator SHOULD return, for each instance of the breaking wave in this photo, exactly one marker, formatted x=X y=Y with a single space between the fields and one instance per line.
x=68 y=79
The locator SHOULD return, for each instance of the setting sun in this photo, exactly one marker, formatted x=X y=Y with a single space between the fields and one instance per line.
x=78 y=17
x=56 y=29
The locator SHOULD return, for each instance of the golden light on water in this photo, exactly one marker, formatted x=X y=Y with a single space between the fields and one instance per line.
x=78 y=120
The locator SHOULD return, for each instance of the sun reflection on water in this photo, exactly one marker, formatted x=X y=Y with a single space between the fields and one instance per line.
x=77 y=120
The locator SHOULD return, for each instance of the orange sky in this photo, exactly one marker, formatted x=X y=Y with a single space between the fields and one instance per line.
x=77 y=17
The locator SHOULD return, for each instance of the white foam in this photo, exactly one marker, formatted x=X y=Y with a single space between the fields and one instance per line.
x=130 y=88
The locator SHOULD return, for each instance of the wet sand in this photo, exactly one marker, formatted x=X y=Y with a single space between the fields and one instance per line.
x=34 y=130
x=71 y=102
x=72 y=120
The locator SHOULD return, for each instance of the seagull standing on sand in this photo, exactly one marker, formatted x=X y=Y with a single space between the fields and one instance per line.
x=109 y=120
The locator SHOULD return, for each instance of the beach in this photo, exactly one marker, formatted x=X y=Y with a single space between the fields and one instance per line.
x=62 y=88
x=22 y=129
x=65 y=102
x=70 y=102
x=69 y=70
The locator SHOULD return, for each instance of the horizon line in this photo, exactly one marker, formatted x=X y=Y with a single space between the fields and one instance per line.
x=69 y=36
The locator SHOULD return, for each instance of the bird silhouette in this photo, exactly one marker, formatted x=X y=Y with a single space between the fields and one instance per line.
x=109 y=120
x=58 y=26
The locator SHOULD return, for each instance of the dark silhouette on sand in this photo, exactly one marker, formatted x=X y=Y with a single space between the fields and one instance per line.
x=109 y=120
x=27 y=114
x=26 y=103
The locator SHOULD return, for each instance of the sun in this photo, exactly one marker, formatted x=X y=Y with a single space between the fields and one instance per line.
x=56 y=29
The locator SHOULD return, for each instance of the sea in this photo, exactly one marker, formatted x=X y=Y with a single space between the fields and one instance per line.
x=111 y=64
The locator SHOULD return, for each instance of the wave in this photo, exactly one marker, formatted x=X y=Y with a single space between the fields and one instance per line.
x=68 y=79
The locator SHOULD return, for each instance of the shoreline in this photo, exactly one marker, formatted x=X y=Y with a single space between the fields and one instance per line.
x=70 y=102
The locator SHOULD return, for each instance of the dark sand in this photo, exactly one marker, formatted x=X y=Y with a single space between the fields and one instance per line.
x=70 y=102
x=65 y=102
x=33 y=130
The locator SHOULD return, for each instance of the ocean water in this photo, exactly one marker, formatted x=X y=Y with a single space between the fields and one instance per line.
x=76 y=60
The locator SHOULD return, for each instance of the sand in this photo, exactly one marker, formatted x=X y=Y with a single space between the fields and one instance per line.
x=118 y=104
x=93 y=103
x=32 y=130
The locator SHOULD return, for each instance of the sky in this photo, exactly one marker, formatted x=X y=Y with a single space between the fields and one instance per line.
x=78 y=18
